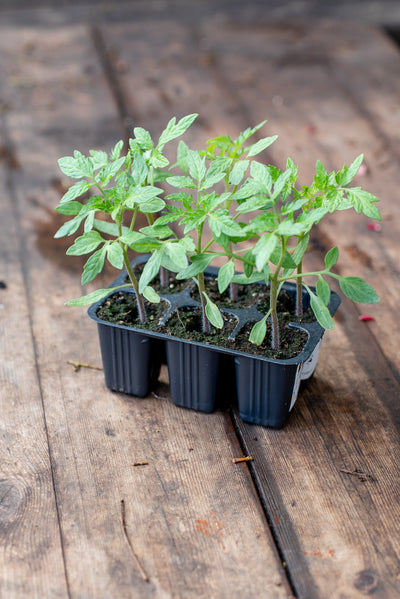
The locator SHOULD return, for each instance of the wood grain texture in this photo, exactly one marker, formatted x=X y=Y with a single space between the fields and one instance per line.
x=190 y=521
x=31 y=555
x=329 y=93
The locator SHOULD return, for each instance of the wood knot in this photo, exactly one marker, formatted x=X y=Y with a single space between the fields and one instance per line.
x=367 y=581
x=11 y=502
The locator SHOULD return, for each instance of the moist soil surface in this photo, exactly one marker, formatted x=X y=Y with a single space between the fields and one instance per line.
x=185 y=323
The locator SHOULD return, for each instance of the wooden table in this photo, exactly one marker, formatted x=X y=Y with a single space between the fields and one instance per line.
x=77 y=518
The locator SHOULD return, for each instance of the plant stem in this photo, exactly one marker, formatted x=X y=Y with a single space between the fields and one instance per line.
x=233 y=287
x=205 y=322
x=206 y=326
x=164 y=277
x=275 y=339
x=274 y=291
x=299 y=292
x=135 y=284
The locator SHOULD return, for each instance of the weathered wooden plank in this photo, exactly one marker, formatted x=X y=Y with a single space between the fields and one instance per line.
x=189 y=521
x=339 y=536
x=350 y=402
x=31 y=553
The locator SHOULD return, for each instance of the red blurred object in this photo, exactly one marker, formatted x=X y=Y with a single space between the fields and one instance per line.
x=374 y=226
x=366 y=318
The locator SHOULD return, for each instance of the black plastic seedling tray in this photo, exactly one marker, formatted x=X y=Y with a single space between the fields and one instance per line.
x=266 y=388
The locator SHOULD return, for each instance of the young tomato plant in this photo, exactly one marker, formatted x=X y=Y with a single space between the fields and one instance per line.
x=124 y=186
x=281 y=230
x=236 y=157
x=212 y=179
x=328 y=193
x=197 y=206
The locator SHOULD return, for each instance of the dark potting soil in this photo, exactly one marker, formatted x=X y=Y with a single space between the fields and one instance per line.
x=185 y=323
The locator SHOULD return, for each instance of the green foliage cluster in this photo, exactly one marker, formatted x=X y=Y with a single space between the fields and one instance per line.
x=257 y=215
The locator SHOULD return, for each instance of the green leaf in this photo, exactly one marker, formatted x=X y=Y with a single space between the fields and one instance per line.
x=117 y=149
x=312 y=217
x=151 y=295
x=288 y=228
x=254 y=277
x=89 y=221
x=91 y=298
x=258 y=332
x=70 y=208
x=140 y=194
x=263 y=250
x=358 y=290
x=84 y=164
x=174 y=129
x=196 y=165
x=70 y=167
x=198 y=265
x=143 y=138
x=254 y=204
x=75 y=191
x=99 y=158
x=331 y=258
x=182 y=182
x=158 y=160
x=212 y=180
x=323 y=290
x=157 y=230
x=321 y=312
x=151 y=269
x=182 y=157
x=111 y=169
x=321 y=176
x=225 y=275
x=85 y=244
x=280 y=183
x=154 y=205
x=93 y=266
x=69 y=228
x=363 y=201
x=347 y=174
x=248 y=263
x=108 y=228
x=261 y=174
x=237 y=173
x=222 y=222
x=115 y=255
x=139 y=170
x=248 y=189
x=261 y=145
x=300 y=250
x=193 y=221
x=177 y=254
x=213 y=314
x=220 y=164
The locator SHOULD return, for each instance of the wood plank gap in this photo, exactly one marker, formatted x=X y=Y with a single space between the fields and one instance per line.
x=125 y=111
x=23 y=250
x=258 y=489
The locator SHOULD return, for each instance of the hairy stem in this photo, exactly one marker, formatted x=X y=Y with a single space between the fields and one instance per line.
x=274 y=292
x=206 y=326
x=299 y=292
x=135 y=284
x=164 y=277
x=275 y=338
x=233 y=291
